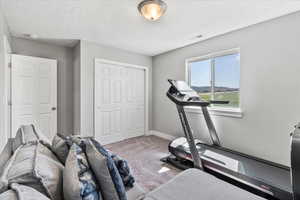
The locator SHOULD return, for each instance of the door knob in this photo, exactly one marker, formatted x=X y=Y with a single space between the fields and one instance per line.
x=53 y=108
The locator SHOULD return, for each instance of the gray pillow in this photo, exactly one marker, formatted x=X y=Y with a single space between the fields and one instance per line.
x=34 y=165
x=107 y=175
x=60 y=147
x=28 y=133
x=79 y=180
x=6 y=154
x=22 y=192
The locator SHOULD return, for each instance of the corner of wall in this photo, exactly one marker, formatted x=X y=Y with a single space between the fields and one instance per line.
x=76 y=87
x=160 y=135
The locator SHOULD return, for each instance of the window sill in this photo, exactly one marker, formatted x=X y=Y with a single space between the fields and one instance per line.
x=218 y=111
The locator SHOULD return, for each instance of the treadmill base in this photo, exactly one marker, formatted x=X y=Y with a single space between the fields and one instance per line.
x=180 y=164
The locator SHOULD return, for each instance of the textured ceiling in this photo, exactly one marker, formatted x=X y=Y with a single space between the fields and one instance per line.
x=117 y=23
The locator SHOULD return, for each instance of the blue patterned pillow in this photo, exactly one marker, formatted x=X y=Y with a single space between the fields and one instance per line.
x=114 y=173
x=121 y=164
x=124 y=171
x=79 y=180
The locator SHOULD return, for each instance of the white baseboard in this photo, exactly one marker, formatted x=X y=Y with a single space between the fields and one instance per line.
x=161 y=135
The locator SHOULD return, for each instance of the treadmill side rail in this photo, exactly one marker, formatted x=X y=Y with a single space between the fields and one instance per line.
x=211 y=128
x=190 y=138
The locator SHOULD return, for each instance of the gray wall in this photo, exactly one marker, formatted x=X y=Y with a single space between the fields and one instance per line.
x=270 y=67
x=3 y=32
x=64 y=57
x=90 y=51
x=76 y=87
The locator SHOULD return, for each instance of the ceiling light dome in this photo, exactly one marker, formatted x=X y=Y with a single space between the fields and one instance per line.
x=152 y=9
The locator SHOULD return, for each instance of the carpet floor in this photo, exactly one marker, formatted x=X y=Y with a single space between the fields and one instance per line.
x=143 y=155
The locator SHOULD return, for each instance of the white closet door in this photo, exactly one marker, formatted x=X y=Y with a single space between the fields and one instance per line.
x=119 y=102
x=134 y=102
x=34 y=93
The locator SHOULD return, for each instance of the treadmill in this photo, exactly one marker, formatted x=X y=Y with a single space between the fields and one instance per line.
x=262 y=177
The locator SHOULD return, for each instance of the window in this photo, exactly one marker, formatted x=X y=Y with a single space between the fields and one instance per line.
x=217 y=77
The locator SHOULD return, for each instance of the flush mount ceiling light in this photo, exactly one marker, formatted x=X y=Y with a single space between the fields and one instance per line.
x=152 y=9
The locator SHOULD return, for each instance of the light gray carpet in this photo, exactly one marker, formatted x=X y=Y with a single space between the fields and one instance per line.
x=143 y=155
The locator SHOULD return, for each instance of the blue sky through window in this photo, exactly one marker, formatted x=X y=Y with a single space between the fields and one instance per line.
x=227 y=72
x=200 y=73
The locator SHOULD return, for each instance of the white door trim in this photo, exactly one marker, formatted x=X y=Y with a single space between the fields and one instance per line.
x=7 y=92
x=105 y=61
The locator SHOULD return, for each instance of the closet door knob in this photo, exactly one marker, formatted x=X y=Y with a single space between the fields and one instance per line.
x=53 y=108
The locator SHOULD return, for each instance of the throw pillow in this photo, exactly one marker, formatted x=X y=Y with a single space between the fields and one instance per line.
x=60 y=146
x=5 y=154
x=79 y=181
x=124 y=171
x=34 y=165
x=22 y=192
x=105 y=170
x=28 y=133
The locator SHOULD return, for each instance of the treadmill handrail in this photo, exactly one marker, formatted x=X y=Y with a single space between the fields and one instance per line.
x=188 y=103
x=218 y=102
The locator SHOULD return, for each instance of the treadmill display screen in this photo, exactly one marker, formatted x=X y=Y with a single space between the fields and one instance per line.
x=181 y=86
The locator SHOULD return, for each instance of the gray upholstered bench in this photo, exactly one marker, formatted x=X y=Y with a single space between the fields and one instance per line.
x=136 y=193
x=194 y=184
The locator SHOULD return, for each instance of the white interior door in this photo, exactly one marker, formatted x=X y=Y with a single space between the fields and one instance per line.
x=34 y=93
x=119 y=101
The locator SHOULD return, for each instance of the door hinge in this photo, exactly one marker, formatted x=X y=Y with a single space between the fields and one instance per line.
x=9 y=103
x=9 y=65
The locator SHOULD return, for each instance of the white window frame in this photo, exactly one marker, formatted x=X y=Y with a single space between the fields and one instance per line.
x=221 y=111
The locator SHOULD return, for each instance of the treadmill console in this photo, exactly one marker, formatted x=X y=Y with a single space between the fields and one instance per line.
x=180 y=93
x=180 y=86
